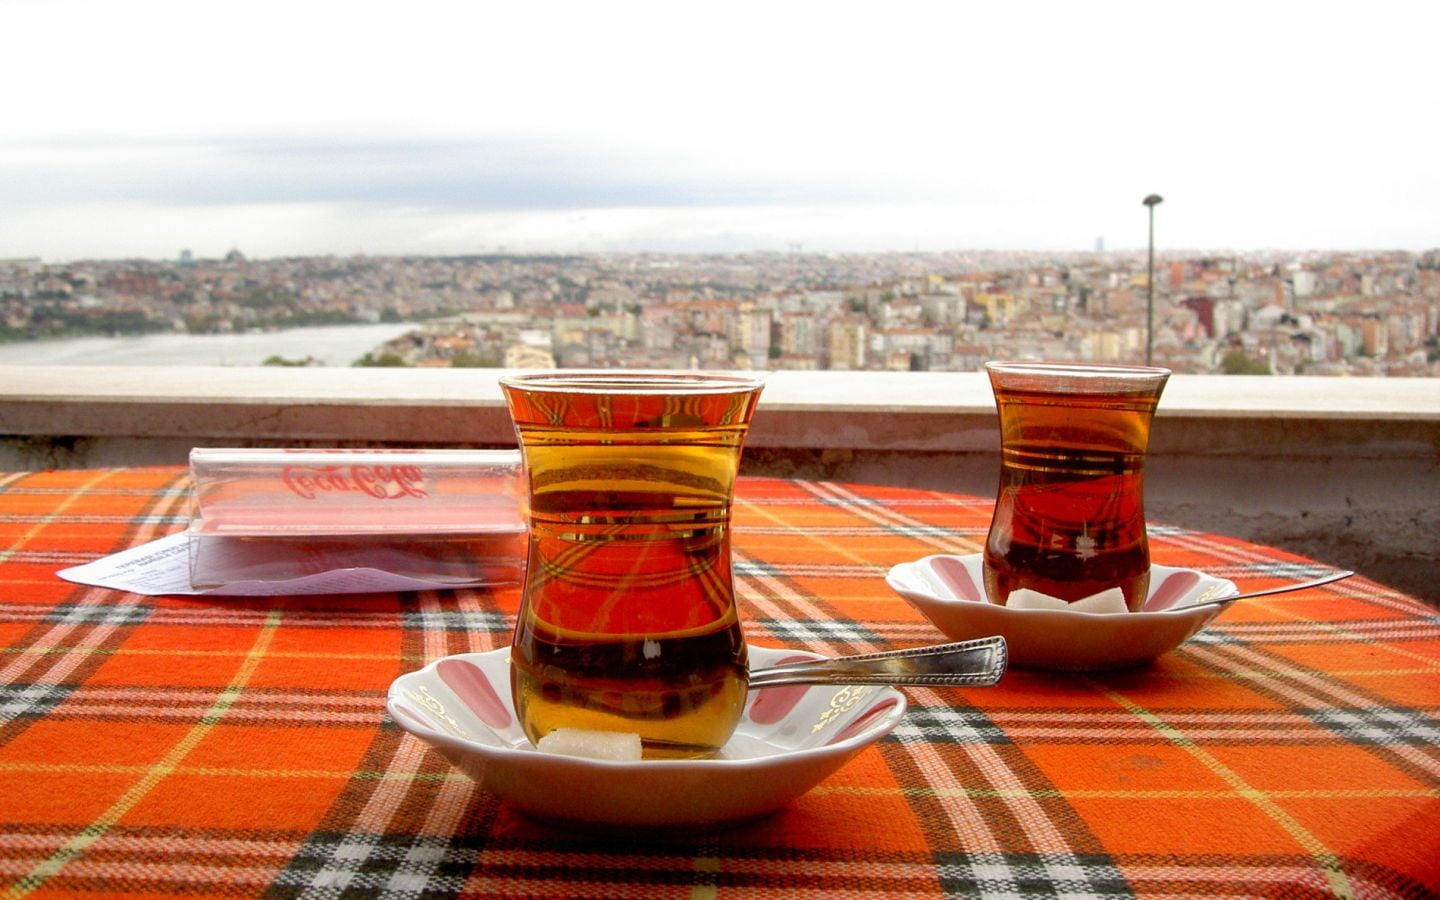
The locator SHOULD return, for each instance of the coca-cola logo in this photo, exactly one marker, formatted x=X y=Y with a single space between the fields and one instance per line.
x=380 y=482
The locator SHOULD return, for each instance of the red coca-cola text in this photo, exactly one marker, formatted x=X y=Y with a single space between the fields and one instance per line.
x=380 y=482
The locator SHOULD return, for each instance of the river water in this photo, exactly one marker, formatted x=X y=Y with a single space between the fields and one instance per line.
x=333 y=345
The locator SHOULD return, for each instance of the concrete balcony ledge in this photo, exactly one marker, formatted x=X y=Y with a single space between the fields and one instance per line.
x=1344 y=470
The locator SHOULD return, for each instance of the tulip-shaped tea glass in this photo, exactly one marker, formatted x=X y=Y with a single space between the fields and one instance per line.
x=1069 y=515
x=628 y=621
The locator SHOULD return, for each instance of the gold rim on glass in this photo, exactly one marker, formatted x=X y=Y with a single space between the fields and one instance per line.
x=634 y=382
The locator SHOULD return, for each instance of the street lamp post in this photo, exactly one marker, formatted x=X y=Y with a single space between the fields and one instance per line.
x=1151 y=201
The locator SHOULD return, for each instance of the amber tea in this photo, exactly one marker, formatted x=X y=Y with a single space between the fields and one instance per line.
x=628 y=619
x=1069 y=514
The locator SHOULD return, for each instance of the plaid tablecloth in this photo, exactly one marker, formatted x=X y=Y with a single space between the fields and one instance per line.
x=203 y=746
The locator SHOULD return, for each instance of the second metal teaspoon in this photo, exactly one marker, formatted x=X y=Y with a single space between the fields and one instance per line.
x=977 y=663
x=1282 y=589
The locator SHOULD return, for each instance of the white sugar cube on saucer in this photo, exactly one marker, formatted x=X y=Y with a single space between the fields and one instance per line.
x=1109 y=601
x=1024 y=598
x=616 y=745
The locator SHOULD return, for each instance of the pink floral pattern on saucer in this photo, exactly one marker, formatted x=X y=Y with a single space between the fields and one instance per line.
x=789 y=739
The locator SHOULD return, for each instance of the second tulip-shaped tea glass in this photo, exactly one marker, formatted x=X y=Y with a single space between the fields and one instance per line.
x=1069 y=515
x=628 y=620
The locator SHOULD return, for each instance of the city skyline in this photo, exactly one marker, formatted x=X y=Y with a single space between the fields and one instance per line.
x=1330 y=314
x=341 y=129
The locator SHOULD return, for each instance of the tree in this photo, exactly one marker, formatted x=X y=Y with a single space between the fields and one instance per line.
x=1237 y=363
x=468 y=360
x=383 y=360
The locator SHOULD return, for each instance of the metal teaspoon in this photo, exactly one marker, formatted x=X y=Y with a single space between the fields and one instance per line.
x=1282 y=589
x=977 y=663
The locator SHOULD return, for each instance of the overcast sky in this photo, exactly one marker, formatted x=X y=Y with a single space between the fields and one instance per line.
x=286 y=128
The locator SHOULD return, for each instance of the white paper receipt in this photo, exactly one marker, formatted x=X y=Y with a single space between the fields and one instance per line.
x=163 y=567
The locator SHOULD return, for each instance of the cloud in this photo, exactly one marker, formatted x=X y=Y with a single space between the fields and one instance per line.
x=334 y=126
x=448 y=175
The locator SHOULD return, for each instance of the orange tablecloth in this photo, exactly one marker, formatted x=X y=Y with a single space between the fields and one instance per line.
x=203 y=746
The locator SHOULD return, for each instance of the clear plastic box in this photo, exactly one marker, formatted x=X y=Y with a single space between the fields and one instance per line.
x=445 y=516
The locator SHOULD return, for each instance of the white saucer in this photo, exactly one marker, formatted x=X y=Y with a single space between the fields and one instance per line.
x=789 y=739
x=949 y=591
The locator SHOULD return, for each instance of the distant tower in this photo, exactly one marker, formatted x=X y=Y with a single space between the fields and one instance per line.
x=187 y=258
x=1100 y=244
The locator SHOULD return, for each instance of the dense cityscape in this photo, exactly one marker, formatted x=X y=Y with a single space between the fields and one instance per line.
x=1331 y=313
